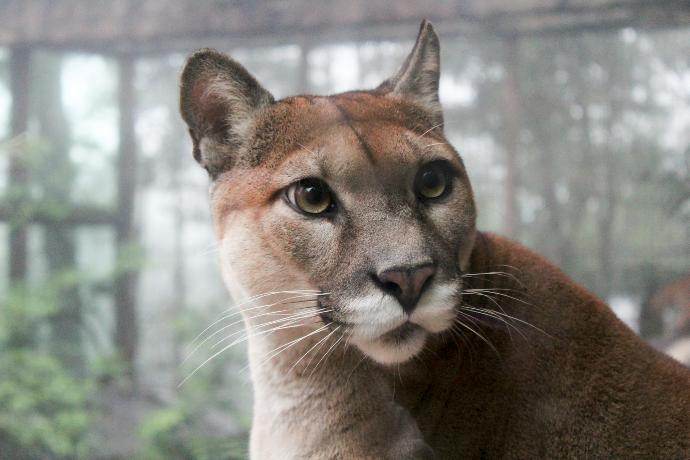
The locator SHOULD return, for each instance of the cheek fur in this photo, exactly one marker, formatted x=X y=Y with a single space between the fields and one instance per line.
x=249 y=265
x=311 y=245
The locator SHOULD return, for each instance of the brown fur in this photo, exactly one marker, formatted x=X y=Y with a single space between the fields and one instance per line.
x=542 y=369
x=586 y=387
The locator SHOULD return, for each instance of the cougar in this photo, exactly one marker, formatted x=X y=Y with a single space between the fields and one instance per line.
x=381 y=323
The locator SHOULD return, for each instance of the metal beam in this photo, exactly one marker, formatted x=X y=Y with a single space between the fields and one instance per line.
x=149 y=26
x=80 y=216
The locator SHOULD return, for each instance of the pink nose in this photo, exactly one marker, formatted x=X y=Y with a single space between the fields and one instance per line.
x=406 y=283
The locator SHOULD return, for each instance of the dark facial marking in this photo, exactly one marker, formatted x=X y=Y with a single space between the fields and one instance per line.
x=365 y=148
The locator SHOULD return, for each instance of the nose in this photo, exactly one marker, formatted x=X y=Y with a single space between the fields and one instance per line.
x=405 y=283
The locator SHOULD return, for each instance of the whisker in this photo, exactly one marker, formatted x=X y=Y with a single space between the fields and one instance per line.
x=355 y=368
x=298 y=294
x=308 y=150
x=434 y=144
x=270 y=293
x=227 y=315
x=503 y=314
x=198 y=368
x=493 y=273
x=333 y=347
x=496 y=315
x=513 y=267
x=257 y=331
x=320 y=342
x=234 y=323
x=429 y=130
x=455 y=329
x=484 y=339
x=286 y=346
x=490 y=291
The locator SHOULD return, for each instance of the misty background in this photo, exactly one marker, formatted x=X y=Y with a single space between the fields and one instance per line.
x=577 y=143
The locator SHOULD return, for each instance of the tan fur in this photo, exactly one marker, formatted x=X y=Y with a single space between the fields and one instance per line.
x=534 y=367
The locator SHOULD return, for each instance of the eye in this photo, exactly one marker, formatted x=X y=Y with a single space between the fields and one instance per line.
x=432 y=181
x=311 y=196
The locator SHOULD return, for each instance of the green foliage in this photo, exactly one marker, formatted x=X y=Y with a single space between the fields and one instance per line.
x=108 y=367
x=28 y=308
x=43 y=411
x=173 y=433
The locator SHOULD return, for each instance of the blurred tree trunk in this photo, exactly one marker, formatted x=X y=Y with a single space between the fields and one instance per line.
x=609 y=180
x=579 y=179
x=179 y=260
x=510 y=101
x=56 y=177
x=303 y=82
x=20 y=67
x=607 y=210
x=556 y=242
x=20 y=64
x=581 y=182
x=126 y=323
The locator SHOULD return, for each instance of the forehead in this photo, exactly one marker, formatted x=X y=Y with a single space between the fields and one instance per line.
x=348 y=134
x=297 y=121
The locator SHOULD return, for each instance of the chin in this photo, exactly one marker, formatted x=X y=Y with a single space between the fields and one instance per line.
x=395 y=347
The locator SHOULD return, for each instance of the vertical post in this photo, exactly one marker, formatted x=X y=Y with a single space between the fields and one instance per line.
x=126 y=327
x=179 y=268
x=303 y=83
x=510 y=93
x=20 y=66
x=56 y=174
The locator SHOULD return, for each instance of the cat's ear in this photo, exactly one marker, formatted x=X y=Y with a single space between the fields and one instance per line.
x=219 y=100
x=418 y=78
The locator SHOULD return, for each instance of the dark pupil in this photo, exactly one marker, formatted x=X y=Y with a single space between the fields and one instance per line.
x=313 y=194
x=430 y=180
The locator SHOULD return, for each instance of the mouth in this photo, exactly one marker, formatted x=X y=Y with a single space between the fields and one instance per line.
x=401 y=333
x=378 y=327
x=396 y=346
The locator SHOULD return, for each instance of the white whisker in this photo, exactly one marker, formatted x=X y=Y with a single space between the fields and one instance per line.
x=335 y=344
x=484 y=339
x=230 y=315
x=287 y=346
x=257 y=332
x=320 y=342
x=200 y=366
x=234 y=323
x=429 y=130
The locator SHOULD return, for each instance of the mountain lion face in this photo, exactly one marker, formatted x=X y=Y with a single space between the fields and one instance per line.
x=357 y=196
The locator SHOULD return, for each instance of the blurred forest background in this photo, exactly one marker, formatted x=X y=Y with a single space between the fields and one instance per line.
x=576 y=138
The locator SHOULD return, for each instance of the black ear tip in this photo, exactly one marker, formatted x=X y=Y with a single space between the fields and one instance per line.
x=205 y=54
x=427 y=35
x=202 y=58
x=426 y=27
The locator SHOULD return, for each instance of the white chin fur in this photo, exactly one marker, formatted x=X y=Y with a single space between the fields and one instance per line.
x=376 y=314
x=393 y=353
x=436 y=309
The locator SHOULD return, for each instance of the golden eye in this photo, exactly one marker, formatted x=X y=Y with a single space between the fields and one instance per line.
x=311 y=196
x=431 y=181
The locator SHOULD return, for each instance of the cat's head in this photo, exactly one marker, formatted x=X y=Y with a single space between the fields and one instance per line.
x=357 y=195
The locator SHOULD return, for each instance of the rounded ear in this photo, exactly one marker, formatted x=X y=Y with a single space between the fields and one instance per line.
x=418 y=78
x=219 y=100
